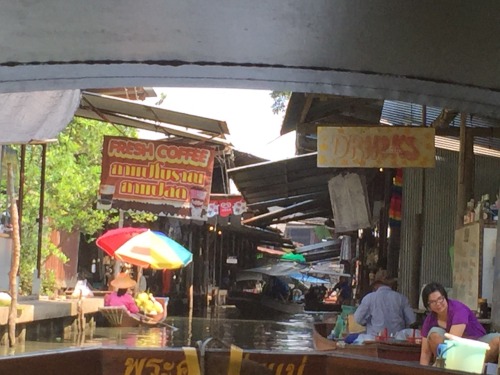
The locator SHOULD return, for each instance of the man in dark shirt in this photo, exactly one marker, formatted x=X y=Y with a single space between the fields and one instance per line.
x=344 y=291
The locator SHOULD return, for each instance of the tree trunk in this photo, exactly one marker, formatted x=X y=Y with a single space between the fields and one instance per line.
x=16 y=250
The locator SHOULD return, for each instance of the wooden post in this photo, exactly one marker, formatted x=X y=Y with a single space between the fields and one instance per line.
x=22 y=171
x=389 y=247
x=206 y=265
x=495 y=303
x=41 y=211
x=80 y=326
x=16 y=251
x=465 y=170
x=190 y=277
x=416 y=257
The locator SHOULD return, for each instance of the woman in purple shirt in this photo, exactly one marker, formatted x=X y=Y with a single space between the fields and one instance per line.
x=454 y=317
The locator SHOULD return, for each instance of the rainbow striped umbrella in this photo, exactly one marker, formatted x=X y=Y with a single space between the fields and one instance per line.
x=114 y=238
x=151 y=249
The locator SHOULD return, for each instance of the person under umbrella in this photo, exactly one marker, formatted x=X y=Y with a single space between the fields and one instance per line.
x=122 y=282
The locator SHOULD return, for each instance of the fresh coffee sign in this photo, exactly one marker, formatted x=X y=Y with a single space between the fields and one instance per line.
x=376 y=146
x=156 y=176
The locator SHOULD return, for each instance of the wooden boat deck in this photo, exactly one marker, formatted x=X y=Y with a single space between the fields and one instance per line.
x=398 y=351
x=54 y=315
x=31 y=310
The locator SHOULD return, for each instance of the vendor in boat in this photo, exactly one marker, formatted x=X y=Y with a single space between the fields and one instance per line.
x=344 y=291
x=121 y=297
x=278 y=289
x=383 y=310
x=454 y=317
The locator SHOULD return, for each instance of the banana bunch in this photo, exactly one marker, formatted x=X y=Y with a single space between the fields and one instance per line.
x=148 y=304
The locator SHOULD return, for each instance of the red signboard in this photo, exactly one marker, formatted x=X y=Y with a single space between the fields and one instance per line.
x=156 y=176
x=225 y=206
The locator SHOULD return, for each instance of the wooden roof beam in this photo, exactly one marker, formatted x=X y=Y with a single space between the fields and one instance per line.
x=281 y=212
x=444 y=119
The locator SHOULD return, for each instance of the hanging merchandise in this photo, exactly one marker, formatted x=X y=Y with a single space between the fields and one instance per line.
x=293 y=257
x=345 y=248
x=395 y=205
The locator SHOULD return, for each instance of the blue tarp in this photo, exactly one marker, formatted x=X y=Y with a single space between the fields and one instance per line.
x=278 y=269
x=307 y=279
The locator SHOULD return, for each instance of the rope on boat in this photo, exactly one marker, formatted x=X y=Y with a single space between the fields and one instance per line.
x=192 y=360
x=235 y=355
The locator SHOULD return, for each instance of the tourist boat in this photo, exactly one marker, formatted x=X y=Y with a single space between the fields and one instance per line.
x=210 y=361
x=397 y=350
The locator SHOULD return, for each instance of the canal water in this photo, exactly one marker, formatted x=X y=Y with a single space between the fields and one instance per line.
x=287 y=333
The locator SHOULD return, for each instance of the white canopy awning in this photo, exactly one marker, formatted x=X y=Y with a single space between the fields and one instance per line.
x=34 y=117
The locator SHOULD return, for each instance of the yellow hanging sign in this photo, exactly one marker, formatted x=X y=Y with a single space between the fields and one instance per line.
x=375 y=147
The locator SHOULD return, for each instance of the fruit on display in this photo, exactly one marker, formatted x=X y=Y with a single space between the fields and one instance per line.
x=148 y=304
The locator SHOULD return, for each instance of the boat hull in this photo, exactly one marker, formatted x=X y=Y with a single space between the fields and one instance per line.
x=316 y=306
x=107 y=361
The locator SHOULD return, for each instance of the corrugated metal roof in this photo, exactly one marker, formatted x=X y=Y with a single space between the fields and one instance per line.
x=403 y=113
x=108 y=104
x=142 y=116
x=296 y=186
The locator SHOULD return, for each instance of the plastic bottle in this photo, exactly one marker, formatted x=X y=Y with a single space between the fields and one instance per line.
x=339 y=327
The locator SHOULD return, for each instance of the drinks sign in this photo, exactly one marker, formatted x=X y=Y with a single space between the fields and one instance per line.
x=376 y=146
x=156 y=176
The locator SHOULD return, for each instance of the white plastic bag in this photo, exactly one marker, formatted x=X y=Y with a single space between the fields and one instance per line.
x=81 y=286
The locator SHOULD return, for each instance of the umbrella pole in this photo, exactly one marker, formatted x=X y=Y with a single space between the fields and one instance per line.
x=118 y=264
x=139 y=275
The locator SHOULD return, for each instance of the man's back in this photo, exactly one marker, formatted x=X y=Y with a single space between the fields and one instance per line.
x=384 y=308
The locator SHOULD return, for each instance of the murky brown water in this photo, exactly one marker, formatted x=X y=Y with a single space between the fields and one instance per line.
x=289 y=334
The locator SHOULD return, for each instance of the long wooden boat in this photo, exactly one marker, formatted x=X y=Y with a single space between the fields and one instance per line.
x=258 y=304
x=394 y=350
x=320 y=306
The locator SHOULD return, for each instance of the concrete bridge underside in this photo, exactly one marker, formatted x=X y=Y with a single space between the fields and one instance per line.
x=436 y=53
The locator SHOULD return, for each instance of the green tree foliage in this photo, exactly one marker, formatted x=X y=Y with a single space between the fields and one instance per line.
x=280 y=101
x=73 y=171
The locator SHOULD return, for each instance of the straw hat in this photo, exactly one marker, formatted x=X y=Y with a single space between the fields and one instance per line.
x=122 y=281
x=382 y=279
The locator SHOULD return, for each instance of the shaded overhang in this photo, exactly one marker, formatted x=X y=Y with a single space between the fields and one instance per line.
x=261 y=236
x=293 y=189
x=305 y=112
x=142 y=116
